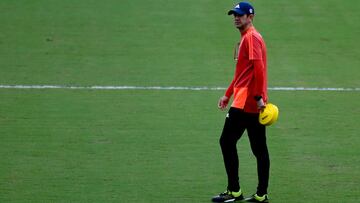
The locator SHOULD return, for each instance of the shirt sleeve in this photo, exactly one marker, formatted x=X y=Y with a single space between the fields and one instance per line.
x=255 y=55
x=259 y=76
x=230 y=89
x=255 y=48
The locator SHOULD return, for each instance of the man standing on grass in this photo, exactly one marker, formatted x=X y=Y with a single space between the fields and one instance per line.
x=249 y=88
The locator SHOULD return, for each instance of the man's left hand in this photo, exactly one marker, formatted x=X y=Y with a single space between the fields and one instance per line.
x=260 y=104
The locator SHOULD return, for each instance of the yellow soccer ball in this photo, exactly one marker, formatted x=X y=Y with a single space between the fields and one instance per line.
x=269 y=114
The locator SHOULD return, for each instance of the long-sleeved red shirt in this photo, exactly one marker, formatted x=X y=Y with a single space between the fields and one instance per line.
x=250 y=78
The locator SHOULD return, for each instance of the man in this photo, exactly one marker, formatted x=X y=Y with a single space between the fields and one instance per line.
x=249 y=88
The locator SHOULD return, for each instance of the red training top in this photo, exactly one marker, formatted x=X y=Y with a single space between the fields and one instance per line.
x=250 y=78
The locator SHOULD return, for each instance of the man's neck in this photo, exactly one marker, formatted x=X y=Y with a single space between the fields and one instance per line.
x=243 y=31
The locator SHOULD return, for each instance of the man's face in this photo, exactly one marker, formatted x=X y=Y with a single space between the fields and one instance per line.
x=241 y=21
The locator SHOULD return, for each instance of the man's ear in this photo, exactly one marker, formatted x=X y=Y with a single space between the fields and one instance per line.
x=251 y=16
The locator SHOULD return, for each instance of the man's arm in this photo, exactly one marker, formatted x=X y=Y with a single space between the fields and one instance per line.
x=224 y=100
x=259 y=74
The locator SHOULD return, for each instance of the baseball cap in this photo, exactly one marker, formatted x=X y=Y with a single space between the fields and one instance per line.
x=242 y=8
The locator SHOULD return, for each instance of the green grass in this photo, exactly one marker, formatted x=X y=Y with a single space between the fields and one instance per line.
x=162 y=146
x=86 y=146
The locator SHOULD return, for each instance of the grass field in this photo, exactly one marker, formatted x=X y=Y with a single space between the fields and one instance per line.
x=64 y=145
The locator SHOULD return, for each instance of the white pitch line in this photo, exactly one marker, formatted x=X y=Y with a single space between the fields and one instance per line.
x=339 y=89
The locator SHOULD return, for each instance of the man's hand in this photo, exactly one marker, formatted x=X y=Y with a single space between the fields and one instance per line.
x=223 y=102
x=260 y=104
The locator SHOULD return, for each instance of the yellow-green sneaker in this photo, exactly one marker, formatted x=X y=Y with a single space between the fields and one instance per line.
x=228 y=196
x=257 y=198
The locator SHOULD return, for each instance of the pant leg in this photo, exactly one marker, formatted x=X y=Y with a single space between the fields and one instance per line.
x=257 y=138
x=232 y=131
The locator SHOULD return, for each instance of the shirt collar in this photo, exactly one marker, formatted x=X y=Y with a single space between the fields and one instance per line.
x=251 y=28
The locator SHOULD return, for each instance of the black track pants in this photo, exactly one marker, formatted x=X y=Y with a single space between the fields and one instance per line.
x=237 y=121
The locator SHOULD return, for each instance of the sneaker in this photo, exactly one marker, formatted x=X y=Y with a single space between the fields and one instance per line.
x=257 y=198
x=228 y=196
